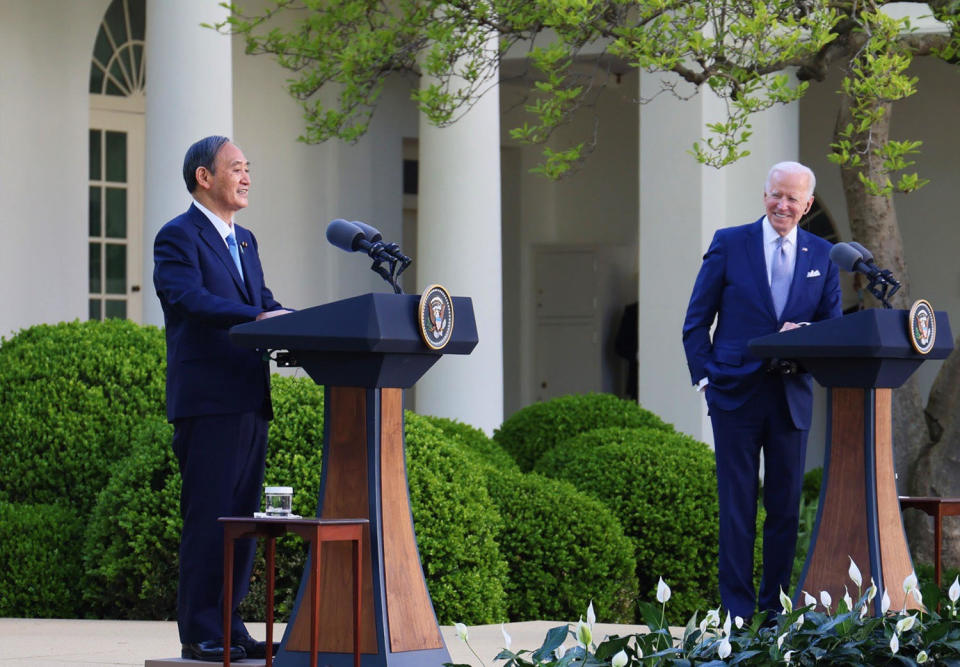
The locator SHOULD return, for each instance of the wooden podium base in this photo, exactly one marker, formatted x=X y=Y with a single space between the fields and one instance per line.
x=859 y=513
x=364 y=477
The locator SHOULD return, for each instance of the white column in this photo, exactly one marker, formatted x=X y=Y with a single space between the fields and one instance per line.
x=682 y=203
x=189 y=96
x=458 y=229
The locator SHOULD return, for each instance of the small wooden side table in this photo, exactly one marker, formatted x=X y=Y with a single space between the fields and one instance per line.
x=937 y=508
x=315 y=532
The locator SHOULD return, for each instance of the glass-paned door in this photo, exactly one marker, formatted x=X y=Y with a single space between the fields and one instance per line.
x=115 y=217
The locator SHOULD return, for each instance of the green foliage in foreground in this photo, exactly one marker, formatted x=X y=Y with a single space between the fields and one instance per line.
x=808 y=635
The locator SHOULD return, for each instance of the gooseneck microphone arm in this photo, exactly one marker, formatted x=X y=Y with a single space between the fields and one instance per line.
x=354 y=236
x=853 y=257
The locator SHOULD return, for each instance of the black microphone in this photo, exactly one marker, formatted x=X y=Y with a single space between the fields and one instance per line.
x=854 y=257
x=867 y=255
x=373 y=235
x=846 y=257
x=348 y=236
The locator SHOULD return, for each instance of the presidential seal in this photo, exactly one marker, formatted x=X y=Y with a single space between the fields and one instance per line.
x=436 y=317
x=923 y=326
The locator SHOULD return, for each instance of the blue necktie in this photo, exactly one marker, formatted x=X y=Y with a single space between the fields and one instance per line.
x=234 y=252
x=780 y=277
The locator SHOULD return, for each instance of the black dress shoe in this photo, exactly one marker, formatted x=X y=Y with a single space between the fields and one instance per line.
x=211 y=651
x=253 y=648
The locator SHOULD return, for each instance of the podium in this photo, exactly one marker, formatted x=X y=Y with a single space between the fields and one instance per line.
x=365 y=351
x=860 y=358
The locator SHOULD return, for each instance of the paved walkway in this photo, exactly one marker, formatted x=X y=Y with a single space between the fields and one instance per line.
x=26 y=642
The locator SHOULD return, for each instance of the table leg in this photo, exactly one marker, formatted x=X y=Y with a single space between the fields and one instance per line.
x=315 y=600
x=271 y=581
x=357 y=588
x=228 y=538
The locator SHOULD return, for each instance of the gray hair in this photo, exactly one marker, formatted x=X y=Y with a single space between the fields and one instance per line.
x=792 y=168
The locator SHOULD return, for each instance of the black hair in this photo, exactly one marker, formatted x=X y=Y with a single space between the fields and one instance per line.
x=201 y=154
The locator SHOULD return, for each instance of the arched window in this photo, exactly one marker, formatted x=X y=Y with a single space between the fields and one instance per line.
x=118 y=54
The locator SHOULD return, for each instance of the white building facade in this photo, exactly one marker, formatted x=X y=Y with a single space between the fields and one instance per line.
x=99 y=100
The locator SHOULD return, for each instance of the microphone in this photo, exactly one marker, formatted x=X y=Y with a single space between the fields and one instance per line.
x=348 y=236
x=867 y=255
x=853 y=257
x=847 y=257
x=373 y=235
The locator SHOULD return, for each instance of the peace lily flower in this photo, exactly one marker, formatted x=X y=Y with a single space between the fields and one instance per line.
x=917 y=595
x=922 y=657
x=726 y=625
x=872 y=591
x=619 y=660
x=954 y=592
x=825 y=599
x=910 y=582
x=724 y=649
x=847 y=600
x=786 y=602
x=905 y=623
x=591 y=617
x=863 y=610
x=506 y=637
x=461 y=631
x=885 y=603
x=738 y=621
x=663 y=591
x=780 y=640
x=809 y=600
x=787 y=656
x=584 y=633
x=560 y=651
x=712 y=619
x=799 y=622
x=894 y=644
x=854 y=573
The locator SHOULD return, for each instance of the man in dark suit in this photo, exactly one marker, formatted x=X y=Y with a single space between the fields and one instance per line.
x=757 y=279
x=208 y=277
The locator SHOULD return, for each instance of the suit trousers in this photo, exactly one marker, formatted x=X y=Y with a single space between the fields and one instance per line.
x=222 y=460
x=764 y=424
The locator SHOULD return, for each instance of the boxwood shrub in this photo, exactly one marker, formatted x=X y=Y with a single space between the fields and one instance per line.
x=70 y=394
x=564 y=549
x=662 y=486
x=474 y=442
x=40 y=561
x=530 y=432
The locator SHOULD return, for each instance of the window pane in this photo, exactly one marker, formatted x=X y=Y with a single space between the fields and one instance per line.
x=117 y=157
x=116 y=269
x=138 y=19
x=95 y=285
x=102 y=49
x=95 y=159
x=119 y=78
x=95 y=313
x=96 y=78
x=116 y=213
x=116 y=21
x=117 y=309
x=114 y=89
x=96 y=206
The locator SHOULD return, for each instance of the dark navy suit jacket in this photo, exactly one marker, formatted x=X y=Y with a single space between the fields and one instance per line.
x=732 y=287
x=202 y=296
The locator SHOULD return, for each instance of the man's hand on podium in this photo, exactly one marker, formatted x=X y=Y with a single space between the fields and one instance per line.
x=272 y=313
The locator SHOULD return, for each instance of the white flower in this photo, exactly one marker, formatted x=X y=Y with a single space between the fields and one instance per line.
x=905 y=623
x=799 y=622
x=910 y=582
x=954 y=592
x=724 y=649
x=726 y=625
x=854 y=573
x=809 y=600
x=786 y=602
x=847 y=600
x=922 y=657
x=591 y=617
x=780 y=640
x=787 y=656
x=507 y=640
x=885 y=602
x=584 y=633
x=864 y=608
x=560 y=651
x=917 y=595
x=619 y=660
x=712 y=618
x=738 y=621
x=825 y=599
x=461 y=631
x=872 y=591
x=663 y=591
x=894 y=644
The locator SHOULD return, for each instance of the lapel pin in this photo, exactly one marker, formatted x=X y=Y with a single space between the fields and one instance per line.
x=803 y=249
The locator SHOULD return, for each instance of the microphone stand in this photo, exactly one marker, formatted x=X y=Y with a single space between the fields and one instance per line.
x=390 y=255
x=883 y=286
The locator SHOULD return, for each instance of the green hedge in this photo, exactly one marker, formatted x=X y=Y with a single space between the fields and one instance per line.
x=536 y=429
x=70 y=394
x=474 y=442
x=40 y=561
x=662 y=486
x=564 y=550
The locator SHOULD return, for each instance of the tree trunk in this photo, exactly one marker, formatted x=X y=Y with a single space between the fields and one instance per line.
x=926 y=444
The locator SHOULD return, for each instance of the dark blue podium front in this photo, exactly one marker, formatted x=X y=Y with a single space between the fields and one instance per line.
x=364 y=351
